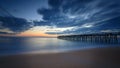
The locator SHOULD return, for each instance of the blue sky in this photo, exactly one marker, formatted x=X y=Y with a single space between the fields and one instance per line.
x=59 y=16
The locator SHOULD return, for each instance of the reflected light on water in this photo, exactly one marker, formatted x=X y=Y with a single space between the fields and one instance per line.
x=21 y=45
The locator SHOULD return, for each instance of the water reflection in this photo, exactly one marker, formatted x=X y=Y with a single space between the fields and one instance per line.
x=17 y=45
x=95 y=41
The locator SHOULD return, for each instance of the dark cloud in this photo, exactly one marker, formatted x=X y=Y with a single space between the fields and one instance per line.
x=11 y=23
x=7 y=33
x=15 y=24
x=110 y=24
x=101 y=14
x=85 y=15
x=55 y=3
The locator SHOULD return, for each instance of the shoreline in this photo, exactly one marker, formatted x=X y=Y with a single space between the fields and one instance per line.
x=89 y=58
x=43 y=52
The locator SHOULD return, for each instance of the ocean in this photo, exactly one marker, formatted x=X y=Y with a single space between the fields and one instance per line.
x=23 y=45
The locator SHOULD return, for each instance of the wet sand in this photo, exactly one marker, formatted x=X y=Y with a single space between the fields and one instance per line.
x=90 y=58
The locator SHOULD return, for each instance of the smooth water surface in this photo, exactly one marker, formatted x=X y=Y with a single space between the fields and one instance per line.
x=18 y=45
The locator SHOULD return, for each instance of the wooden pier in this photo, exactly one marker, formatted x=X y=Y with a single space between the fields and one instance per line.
x=96 y=37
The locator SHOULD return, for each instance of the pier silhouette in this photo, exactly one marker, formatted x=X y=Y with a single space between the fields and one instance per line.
x=94 y=37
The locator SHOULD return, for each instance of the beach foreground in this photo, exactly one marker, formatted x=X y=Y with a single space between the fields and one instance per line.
x=90 y=58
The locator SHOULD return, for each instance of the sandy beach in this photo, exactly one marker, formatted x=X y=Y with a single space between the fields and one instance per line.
x=90 y=58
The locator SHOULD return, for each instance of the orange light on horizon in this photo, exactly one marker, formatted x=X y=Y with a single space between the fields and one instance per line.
x=38 y=31
x=34 y=34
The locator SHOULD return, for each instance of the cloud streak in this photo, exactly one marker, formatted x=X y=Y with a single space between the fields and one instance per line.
x=85 y=14
x=68 y=17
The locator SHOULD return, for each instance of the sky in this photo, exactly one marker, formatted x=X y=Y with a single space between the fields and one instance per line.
x=50 y=18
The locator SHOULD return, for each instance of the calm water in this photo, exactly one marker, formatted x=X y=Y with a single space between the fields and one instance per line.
x=18 y=45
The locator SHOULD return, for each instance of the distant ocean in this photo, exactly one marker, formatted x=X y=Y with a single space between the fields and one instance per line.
x=20 y=45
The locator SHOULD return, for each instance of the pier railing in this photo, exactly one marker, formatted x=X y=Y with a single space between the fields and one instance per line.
x=95 y=37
